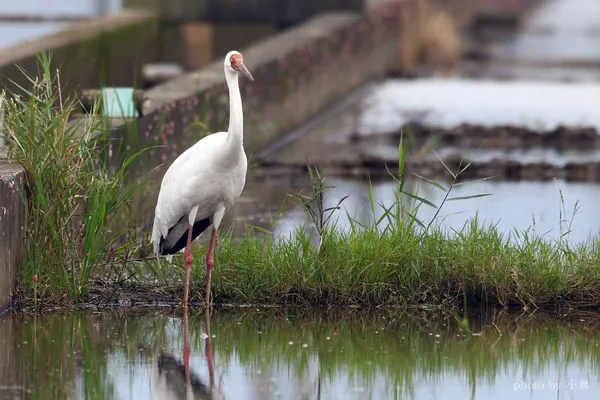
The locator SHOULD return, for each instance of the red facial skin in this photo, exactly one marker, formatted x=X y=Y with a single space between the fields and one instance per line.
x=236 y=61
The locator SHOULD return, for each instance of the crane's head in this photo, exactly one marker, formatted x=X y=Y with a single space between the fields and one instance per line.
x=234 y=62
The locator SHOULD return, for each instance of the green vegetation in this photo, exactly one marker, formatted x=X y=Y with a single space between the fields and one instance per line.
x=72 y=191
x=396 y=267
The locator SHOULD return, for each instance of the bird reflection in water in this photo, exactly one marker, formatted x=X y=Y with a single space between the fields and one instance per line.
x=174 y=379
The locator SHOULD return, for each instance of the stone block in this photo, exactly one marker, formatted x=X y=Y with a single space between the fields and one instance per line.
x=12 y=220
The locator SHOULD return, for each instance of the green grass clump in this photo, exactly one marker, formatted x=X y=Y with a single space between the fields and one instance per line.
x=398 y=267
x=71 y=191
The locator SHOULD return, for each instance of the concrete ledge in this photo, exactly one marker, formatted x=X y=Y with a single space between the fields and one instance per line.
x=12 y=218
x=297 y=73
x=277 y=12
x=110 y=49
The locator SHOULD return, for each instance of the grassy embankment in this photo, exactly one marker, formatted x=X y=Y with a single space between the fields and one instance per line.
x=397 y=260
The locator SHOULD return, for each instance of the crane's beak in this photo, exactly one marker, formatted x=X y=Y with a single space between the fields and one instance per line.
x=246 y=73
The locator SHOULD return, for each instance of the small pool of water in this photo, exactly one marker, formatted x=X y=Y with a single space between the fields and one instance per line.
x=279 y=355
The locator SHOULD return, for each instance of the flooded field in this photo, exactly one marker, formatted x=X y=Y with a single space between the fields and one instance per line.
x=450 y=102
x=546 y=204
x=279 y=355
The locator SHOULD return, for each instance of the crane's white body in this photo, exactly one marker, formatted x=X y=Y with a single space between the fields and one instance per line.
x=206 y=179
x=209 y=176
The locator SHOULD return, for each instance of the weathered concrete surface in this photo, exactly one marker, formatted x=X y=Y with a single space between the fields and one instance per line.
x=12 y=212
x=109 y=50
x=469 y=11
x=277 y=12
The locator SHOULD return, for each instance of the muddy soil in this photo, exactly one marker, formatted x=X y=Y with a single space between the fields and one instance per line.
x=503 y=136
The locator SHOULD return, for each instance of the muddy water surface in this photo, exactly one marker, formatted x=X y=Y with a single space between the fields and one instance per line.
x=278 y=355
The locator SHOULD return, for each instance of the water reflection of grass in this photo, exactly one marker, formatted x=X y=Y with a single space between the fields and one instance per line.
x=405 y=351
x=66 y=354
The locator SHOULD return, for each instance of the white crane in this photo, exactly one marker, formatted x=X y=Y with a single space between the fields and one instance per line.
x=203 y=183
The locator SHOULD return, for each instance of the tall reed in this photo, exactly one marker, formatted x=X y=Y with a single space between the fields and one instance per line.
x=71 y=191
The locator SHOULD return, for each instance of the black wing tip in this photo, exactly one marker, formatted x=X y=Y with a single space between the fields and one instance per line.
x=199 y=227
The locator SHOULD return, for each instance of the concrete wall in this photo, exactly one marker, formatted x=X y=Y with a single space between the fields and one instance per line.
x=297 y=73
x=276 y=12
x=11 y=226
x=110 y=49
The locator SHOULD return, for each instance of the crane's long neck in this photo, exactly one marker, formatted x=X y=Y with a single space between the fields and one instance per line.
x=236 y=113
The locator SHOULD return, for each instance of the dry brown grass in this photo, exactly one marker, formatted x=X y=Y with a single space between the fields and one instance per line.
x=428 y=36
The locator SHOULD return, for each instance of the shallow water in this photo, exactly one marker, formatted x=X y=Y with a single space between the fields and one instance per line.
x=512 y=206
x=68 y=8
x=536 y=207
x=278 y=355
x=16 y=32
x=13 y=32
x=558 y=30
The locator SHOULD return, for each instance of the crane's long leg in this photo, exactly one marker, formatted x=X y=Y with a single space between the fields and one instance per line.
x=210 y=261
x=188 y=266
